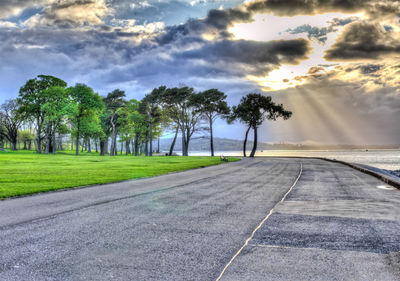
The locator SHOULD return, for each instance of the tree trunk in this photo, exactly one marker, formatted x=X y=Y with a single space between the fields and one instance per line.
x=122 y=147
x=48 y=139
x=245 y=142
x=95 y=143
x=146 y=148
x=136 y=146
x=115 y=145
x=102 y=143
x=13 y=144
x=151 y=135
x=77 y=144
x=211 y=138
x=89 y=146
x=54 y=147
x=127 y=147
x=183 y=143
x=38 y=137
x=1 y=145
x=187 y=147
x=29 y=145
x=77 y=137
x=25 y=144
x=106 y=146
x=253 y=151
x=171 y=149
x=183 y=134
x=113 y=138
x=187 y=141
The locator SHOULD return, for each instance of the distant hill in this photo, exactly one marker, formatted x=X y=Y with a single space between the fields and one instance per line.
x=224 y=144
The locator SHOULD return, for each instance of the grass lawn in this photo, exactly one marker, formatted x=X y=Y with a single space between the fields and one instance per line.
x=25 y=172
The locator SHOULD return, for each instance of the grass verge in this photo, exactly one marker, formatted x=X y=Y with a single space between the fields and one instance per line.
x=25 y=172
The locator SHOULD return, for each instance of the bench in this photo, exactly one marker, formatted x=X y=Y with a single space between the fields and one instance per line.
x=223 y=158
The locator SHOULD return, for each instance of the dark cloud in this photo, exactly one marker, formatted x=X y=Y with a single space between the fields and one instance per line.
x=68 y=13
x=309 y=7
x=321 y=33
x=312 y=32
x=252 y=52
x=363 y=40
x=222 y=19
x=370 y=68
x=342 y=21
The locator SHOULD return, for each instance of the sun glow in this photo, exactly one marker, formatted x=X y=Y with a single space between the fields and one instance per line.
x=266 y=27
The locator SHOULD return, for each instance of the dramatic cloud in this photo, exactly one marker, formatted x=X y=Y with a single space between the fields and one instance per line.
x=138 y=45
x=9 y=8
x=252 y=52
x=364 y=40
x=309 y=7
x=321 y=33
x=73 y=12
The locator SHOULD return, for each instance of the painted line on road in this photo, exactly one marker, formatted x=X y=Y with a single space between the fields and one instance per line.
x=260 y=224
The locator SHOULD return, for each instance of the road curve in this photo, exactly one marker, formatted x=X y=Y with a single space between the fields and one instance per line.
x=334 y=224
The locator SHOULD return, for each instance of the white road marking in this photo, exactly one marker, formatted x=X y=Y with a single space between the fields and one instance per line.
x=261 y=223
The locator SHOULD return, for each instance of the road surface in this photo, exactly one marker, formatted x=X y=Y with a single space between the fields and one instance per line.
x=256 y=219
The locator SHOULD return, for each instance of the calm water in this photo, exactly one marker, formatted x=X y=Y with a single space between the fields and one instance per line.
x=383 y=159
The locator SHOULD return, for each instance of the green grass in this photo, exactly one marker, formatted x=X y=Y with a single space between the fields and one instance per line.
x=25 y=172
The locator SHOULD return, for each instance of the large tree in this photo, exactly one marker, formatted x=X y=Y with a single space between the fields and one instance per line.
x=150 y=106
x=10 y=122
x=253 y=110
x=113 y=102
x=56 y=109
x=179 y=102
x=128 y=121
x=106 y=130
x=211 y=104
x=86 y=108
x=31 y=100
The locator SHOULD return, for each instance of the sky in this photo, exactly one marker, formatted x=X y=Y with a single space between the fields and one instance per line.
x=334 y=63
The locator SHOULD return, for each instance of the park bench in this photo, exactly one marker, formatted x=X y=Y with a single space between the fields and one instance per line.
x=223 y=158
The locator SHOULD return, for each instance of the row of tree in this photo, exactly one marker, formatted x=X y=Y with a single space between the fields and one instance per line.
x=46 y=105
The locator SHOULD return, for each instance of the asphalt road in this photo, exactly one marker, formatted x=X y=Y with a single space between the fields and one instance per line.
x=335 y=223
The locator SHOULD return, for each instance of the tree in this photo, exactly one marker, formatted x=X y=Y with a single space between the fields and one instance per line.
x=10 y=121
x=150 y=106
x=26 y=137
x=127 y=121
x=179 y=104
x=211 y=104
x=2 y=136
x=86 y=107
x=253 y=110
x=31 y=99
x=57 y=107
x=113 y=102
